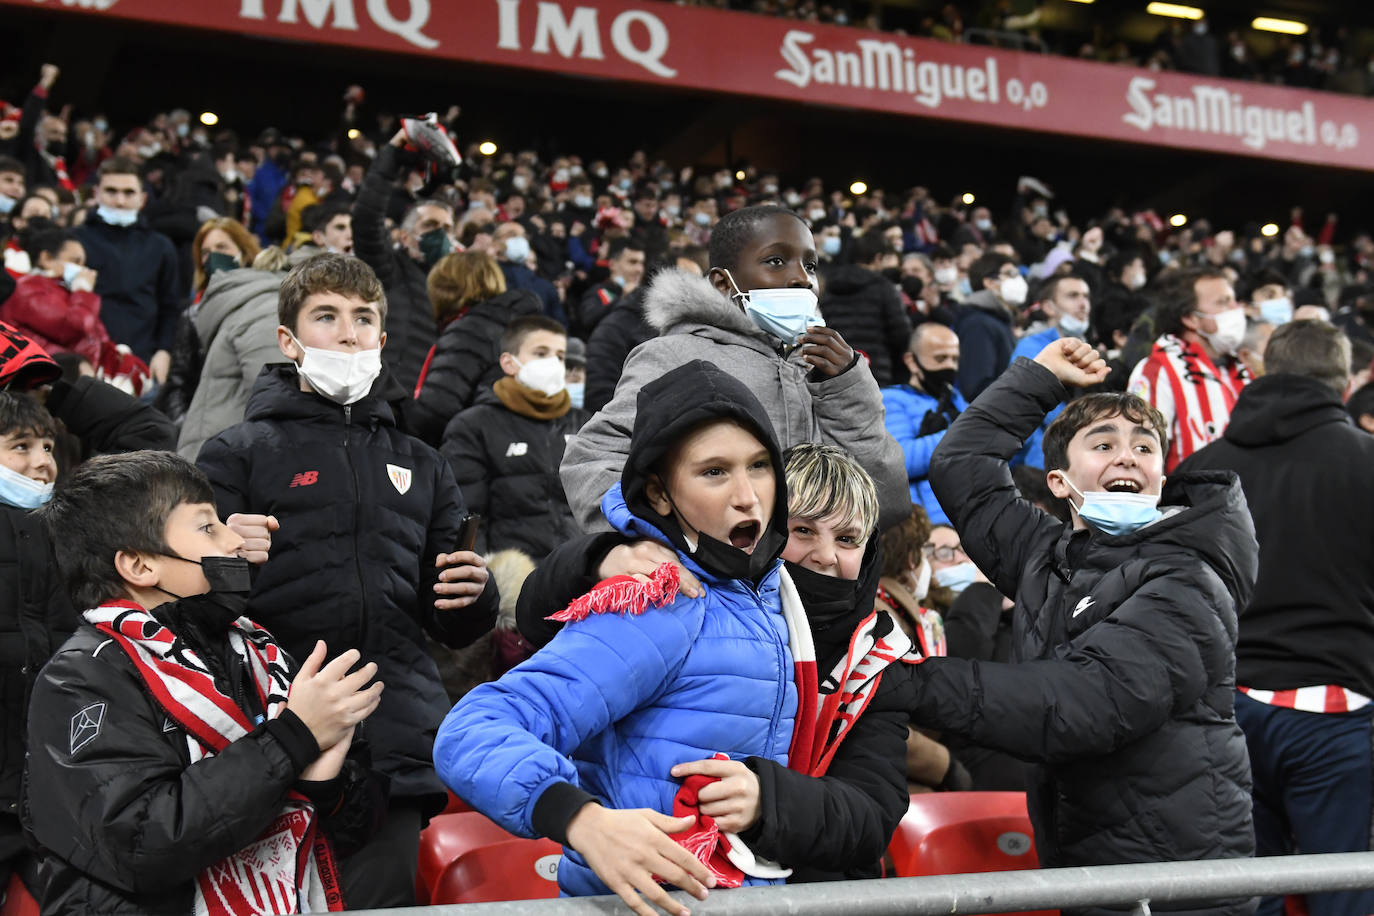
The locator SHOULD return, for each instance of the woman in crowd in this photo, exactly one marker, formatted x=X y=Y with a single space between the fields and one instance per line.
x=472 y=306
x=55 y=304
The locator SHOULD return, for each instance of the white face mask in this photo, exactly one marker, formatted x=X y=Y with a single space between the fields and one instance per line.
x=1014 y=290
x=342 y=377
x=946 y=276
x=547 y=375
x=922 y=587
x=784 y=312
x=1226 y=339
x=1073 y=326
x=115 y=216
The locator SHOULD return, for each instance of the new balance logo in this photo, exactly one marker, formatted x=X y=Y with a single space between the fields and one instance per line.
x=305 y=479
x=516 y=449
x=1083 y=605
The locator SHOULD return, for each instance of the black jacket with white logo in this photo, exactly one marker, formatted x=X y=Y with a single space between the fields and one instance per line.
x=364 y=510
x=1125 y=648
x=507 y=466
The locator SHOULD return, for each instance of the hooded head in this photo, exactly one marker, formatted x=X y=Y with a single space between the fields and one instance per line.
x=705 y=469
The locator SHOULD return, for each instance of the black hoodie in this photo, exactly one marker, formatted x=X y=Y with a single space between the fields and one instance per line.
x=866 y=309
x=1308 y=475
x=1122 y=690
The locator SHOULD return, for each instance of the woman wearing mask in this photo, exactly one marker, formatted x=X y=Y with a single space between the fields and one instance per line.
x=472 y=306
x=54 y=304
x=220 y=245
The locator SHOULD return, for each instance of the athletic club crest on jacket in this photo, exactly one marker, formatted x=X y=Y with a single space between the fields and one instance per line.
x=400 y=478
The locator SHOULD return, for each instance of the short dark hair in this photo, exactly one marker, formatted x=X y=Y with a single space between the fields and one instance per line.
x=1267 y=277
x=328 y=273
x=20 y=413
x=1314 y=349
x=737 y=228
x=869 y=246
x=1049 y=287
x=1361 y=402
x=1124 y=258
x=1031 y=484
x=515 y=333
x=41 y=236
x=118 y=165
x=317 y=216
x=1091 y=408
x=986 y=267
x=620 y=245
x=11 y=166
x=114 y=503
x=1178 y=298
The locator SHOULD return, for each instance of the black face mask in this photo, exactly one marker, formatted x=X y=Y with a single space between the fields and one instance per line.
x=827 y=599
x=231 y=583
x=57 y=147
x=936 y=381
x=892 y=274
x=725 y=559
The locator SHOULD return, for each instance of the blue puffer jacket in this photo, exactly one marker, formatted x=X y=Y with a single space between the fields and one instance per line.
x=905 y=410
x=627 y=698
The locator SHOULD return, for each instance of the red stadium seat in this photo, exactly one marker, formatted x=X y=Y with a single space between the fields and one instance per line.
x=951 y=833
x=18 y=900
x=465 y=858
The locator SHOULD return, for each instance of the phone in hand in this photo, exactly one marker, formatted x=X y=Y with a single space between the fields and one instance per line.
x=467 y=532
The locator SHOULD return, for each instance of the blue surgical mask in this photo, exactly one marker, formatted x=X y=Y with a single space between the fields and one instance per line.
x=6 y=203
x=583 y=201
x=702 y=219
x=1073 y=326
x=517 y=249
x=22 y=492
x=965 y=287
x=956 y=578
x=116 y=216
x=1117 y=513
x=831 y=245
x=577 y=392
x=70 y=272
x=1277 y=311
x=785 y=313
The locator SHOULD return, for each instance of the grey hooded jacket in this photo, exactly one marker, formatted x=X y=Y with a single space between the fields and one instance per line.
x=237 y=324
x=697 y=322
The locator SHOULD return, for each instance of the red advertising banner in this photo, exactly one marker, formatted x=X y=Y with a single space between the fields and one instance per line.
x=741 y=53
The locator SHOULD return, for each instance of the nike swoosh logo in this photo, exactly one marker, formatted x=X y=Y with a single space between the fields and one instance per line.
x=1083 y=605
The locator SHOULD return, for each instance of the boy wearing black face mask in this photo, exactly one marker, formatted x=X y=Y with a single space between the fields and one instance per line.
x=368 y=518
x=180 y=761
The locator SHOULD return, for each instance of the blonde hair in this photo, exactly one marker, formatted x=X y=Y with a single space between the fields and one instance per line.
x=240 y=236
x=824 y=481
x=461 y=280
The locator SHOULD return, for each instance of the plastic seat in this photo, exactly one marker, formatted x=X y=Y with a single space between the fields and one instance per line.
x=18 y=900
x=466 y=858
x=951 y=833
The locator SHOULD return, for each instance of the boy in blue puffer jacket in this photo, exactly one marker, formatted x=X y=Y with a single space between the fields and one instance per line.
x=578 y=742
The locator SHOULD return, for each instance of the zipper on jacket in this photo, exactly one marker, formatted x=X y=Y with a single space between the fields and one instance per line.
x=357 y=504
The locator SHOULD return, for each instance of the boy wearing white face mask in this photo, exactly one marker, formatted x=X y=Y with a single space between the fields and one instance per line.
x=362 y=560
x=1193 y=375
x=1124 y=627
x=506 y=448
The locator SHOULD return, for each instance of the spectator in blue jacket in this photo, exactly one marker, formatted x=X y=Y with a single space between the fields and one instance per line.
x=269 y=180
x=919 y=412
x=578 y=742
x=1066 y=304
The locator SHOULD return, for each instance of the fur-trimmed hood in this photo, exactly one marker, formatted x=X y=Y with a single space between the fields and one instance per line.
x=676 y=298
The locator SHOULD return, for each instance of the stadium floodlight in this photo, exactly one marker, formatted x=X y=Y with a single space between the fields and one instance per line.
x=739 y=175
x=1174 y=10
x=1286 y=26
x=1178 y=220
x=354 y=133
x=1269 y=230
x=1083 y=1
x=209 y=118
x=967 y=198
x=486 y=148
x=858 y=188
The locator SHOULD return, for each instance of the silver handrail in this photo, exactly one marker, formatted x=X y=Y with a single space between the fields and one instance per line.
x=1126 y=886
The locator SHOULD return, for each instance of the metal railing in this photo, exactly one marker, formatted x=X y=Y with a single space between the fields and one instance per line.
x=1123 y=886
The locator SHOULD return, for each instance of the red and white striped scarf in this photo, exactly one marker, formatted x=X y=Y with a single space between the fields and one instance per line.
x=290 y=867
x=1202 y=395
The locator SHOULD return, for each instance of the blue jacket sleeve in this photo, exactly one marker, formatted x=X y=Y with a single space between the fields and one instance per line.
x=508 y=742
x=904 y=422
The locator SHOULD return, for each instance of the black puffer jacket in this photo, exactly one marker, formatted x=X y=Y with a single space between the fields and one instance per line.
x=1126 y=650
x=623 y=329
x=410 y=327
x=364 y=510
x=507 y=466
x=124 y=823
x=826 y=829
x=867 y=311
x=188 y=359
x=466 y=361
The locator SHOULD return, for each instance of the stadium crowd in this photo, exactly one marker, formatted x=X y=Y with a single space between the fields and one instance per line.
x=1080 y=503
